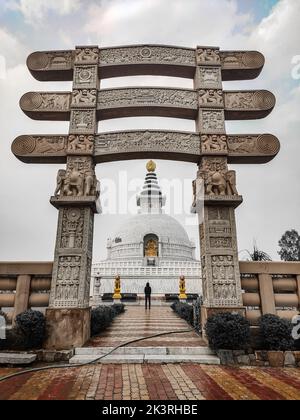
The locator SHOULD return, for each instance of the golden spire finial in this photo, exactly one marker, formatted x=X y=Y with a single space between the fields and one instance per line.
x=151 y=166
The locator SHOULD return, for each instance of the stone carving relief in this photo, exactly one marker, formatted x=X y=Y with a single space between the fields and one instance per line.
x=152 y=96
x=68 y=277
x=218 y=213
x=212 y=120
x=80 y=144
x=85 y=76
x=87 y=55
x=225 y=292
x=211 y=98
x=214 y=143
x=147 y=141
x=222 y=267
x=265 y=144
x=221 y=242
x=217 y=179
x=26 y=145
x=84 y=98
x=78 y=180
x=54 y=60
x=147 y=54
x=83 y=121
x=72 y=228
x=208 y=56
x=209 y=77
x=241 y=59
x=261 y=100
x=45 y=101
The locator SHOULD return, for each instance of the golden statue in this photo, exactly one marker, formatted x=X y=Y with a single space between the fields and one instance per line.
x=151 y=166
x=117 y=291
x=151 y=249
x=182 y=289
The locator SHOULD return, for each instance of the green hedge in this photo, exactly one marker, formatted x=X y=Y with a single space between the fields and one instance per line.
x=28 y=333
x=228 y=331
x=276 y=333
x=102 y=317
x=184 y=310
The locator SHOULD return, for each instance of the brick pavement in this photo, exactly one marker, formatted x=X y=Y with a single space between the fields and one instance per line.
x=144 y=382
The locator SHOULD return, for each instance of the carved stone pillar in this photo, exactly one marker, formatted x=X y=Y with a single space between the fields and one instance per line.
x=77 y=198
x=218 y=242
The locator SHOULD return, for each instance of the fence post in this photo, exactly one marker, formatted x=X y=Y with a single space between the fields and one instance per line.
x=267 y=294
x=22 y=295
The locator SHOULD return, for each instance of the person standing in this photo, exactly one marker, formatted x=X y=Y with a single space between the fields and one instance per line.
x=148 y=291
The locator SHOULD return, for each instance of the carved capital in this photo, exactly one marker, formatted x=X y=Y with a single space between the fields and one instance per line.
x=84 y=98
x=208 y=56
x=211 y=98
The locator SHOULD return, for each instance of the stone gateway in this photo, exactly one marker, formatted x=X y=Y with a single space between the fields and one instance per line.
x=77 y=191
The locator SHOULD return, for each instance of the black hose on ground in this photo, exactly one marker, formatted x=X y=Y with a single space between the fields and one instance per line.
x=24 y=372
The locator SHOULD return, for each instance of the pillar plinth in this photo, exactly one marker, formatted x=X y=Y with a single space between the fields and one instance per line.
x=67 y=328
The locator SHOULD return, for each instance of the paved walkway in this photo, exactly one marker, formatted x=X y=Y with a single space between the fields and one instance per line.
x=136 y=322
x=144 y=382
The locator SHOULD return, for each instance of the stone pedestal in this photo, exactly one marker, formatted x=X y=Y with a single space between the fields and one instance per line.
x=67 y=328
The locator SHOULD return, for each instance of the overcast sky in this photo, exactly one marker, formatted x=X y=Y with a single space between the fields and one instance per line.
x=271 y=192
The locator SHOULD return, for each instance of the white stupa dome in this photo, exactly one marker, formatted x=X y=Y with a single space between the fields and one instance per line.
x=129 y=239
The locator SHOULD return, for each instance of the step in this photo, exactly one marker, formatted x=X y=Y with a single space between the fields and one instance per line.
x=94 y=351
x=197 y=358
x=201 y=359
x=17 y=358
x=118 y=358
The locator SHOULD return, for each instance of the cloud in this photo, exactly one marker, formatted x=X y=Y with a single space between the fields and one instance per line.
x=11 y=49
x=35 y=11
x=271 y=192
x=188 y=22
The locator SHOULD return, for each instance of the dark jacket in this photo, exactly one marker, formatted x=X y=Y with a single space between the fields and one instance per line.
x=147 y=290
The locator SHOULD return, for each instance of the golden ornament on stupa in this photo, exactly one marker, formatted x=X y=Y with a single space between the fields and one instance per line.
x=151 y=166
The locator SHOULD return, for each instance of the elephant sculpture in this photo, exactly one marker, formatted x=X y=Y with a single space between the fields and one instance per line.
x=216 y=184
x=74 y=184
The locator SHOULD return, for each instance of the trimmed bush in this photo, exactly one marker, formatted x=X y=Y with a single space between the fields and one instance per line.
x=184 y=310
x=275 y=333
x=32 y=325
x=28 y=333
x=227 y=331
x=102 y=317
x=118 y=308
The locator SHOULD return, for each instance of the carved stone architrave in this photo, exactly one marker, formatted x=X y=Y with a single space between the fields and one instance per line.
x=136 y=60
x=147 y=141
x=116 y=98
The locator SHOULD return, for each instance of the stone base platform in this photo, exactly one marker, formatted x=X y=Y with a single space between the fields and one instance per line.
x=67 y=328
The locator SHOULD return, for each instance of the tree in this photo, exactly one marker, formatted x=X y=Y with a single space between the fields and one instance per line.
x=290 y=246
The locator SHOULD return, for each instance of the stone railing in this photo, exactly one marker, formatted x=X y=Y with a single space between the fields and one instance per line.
x=24 y=286
x=270 y=288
